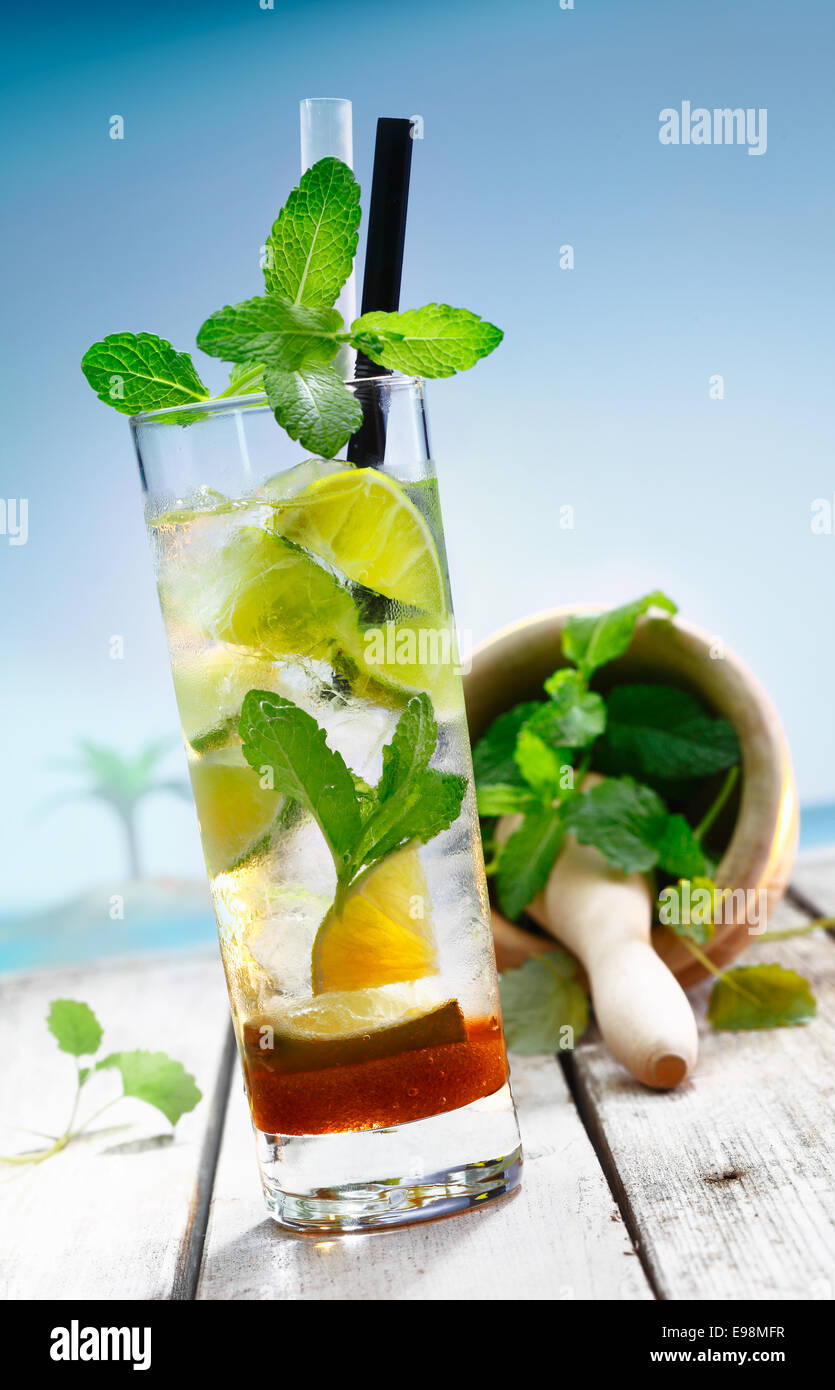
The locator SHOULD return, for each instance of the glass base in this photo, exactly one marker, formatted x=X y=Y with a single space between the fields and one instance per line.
x=370 y=1179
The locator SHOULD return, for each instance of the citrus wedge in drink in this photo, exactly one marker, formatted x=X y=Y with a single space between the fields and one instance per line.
x=210 y=691
x=237 y=815
x=294 y=480
x=382 y=933
x=361 y=522
x=359 y=1025
x=270 y=596
x=390 y=663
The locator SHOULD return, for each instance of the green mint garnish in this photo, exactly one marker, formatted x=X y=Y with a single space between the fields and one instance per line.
x=574 y=716
x=150 y=1076
x=361 y=825
x=314 y=407
x=434 y=341
x=540 y=1000
x=541 y=764
x=527 y=858
x=534 y=757
x=760 y=996
x=273 y=331
x=494 y=762
x=591 y=641
x=157 y=1079
x=631 y=826
x=139 y=371
x=504 y=799
x=659 y=731
x=312 y=244
x=284 y=340
x=74 y=1027
x=277 y=734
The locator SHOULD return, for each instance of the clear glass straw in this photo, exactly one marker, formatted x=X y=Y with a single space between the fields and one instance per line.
x=327 y=132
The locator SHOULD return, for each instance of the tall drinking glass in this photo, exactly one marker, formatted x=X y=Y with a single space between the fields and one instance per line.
x=364 y=998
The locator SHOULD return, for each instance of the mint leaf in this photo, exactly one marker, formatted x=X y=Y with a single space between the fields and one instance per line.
x=573 y=717
x=434 y=341
x=139 y=371
x=493 y=754
x=689 y=908
x=314 y=407
x=157 y=1079
x=314 y=238
x=273 y=331
x=629 y=824
x=412 y=803
x=503 y=799
x=541 y=766
x=412 y=745
x=540 y=999
x=659 y=731
x=592 y=641
x=74 y=1027
x=278 y=734
x=679 y=852
x=526 y=860
x=760 y=996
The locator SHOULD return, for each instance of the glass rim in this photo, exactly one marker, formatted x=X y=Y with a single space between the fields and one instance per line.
x=257 y=400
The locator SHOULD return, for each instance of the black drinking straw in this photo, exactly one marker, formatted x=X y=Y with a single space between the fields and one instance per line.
x=383 y=267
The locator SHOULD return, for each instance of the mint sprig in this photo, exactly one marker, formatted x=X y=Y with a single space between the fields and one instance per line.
x=631 y=826
x=534 y=757
x=153 y=1077
x=411 y=804
x=285 y=340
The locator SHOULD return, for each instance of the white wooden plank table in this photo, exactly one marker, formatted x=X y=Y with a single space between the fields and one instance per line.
x=722 y=1189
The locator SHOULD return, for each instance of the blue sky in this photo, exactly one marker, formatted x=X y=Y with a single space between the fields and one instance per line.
x=540 y=130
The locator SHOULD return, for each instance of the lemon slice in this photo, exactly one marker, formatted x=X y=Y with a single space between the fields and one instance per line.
x=383 y=932
x=210 y=691
x=270 y=596
x=236 y=814
x=363 y=524
x=356 y=1026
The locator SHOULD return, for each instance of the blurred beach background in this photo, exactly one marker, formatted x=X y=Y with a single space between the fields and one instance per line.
x=539 y=132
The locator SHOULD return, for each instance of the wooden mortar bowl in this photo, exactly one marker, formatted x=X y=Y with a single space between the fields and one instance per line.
x=763 y=826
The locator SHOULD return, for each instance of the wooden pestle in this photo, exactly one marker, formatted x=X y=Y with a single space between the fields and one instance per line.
x=604 y=917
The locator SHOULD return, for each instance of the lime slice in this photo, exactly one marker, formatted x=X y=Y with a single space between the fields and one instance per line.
x=390 y=663
x=236 y=814
x=207 y=503
x=361 y=522
x=357 y=1026
x=383 y=932
x=293 y=480
x=270 y=596
x=210 y=691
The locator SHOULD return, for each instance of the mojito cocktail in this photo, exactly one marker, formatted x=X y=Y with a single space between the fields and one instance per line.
x=300 y=560
x=316 y=670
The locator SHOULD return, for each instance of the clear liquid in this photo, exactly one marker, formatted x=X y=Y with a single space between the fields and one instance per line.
x=243 y=612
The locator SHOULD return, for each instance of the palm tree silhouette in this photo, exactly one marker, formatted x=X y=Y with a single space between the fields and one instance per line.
x=121 y=781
